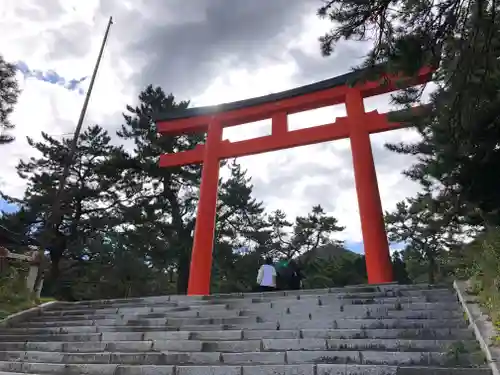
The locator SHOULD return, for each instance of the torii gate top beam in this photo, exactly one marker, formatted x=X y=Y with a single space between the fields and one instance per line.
x=321 y=94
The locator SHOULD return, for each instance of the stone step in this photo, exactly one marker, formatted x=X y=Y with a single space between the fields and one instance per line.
x=329 y=301
x=426 y=334
x=235 y=316
x=112 y=310
x=432 y=294
x=282 y=323
x=350 y=308
x=411 y=333
x=237 y=346
x=188 y=313
x=285 y=323
x=134 y=321
x=392 y=303
x=256 y=358
x=333 y=301
x=326 y=313
x=320 y=369
x=405 y=345
x=308 y=300
x=308 y=369
x=346 y=289
x=144 y=309
x=344 y=295
x=396 y=309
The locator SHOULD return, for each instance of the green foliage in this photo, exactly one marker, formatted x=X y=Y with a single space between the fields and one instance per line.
x=428 y=233
x=483 y=269
x=14 y=296
x=458 y=147
x=111 y=268
x=9 y=92
x=274 y=236
x=345 y=269
x=93 y=192
x=165 y=200
x=399 y=268
x=287 y=240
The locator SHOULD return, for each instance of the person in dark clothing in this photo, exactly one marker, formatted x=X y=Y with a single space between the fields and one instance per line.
x=283 y=275
x=295 y=279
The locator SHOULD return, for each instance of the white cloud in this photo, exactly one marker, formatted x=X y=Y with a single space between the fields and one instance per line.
x=48 y=107
x=55 y=110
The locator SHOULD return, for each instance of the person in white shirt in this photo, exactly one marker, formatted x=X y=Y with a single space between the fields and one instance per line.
x=266 y=278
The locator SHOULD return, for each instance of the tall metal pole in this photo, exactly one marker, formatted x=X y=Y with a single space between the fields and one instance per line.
x=55 y=216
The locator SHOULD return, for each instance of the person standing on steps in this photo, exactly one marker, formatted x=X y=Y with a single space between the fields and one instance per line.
x=295 y=280
x=266 y=278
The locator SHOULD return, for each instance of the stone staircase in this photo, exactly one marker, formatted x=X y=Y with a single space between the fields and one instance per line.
x=376 y=330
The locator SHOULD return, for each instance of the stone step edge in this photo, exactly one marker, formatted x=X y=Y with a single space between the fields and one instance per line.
x=258 y=317
x=294 y=333
x=262 y=297
x=192 y=328
x=219 y=357
x=394 y=285
x=236 y=314
x=406 y=306
x=285 y=317
x=22 y=331
x=406 y=300
x=151 y=342
x=390 y=300
x=461 y=294
x=28 y=313
x=257 y=299
x=305 y=369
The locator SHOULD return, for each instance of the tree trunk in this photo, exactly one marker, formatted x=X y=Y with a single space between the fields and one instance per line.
x=55 y=258
x=184 y=239
x=432 y=269
x=183 y=273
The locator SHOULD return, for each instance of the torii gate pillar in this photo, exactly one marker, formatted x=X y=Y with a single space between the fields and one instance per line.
x=378 y=262
x=201 y=257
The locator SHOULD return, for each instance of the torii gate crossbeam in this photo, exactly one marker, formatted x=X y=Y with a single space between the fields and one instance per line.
x=357 y=126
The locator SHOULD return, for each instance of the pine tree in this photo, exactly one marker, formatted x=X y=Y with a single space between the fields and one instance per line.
x=166 y=198
x=92 y=193
x=460 y=130
x=164 y=210
x=116 y=270
x=309 y=232
x=426 y=230
x=240 y=225
x=9 y=92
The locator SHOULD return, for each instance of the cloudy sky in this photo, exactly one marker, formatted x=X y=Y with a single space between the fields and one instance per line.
x=208 y=51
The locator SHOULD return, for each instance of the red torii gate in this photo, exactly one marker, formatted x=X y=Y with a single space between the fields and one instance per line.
x=357 y=126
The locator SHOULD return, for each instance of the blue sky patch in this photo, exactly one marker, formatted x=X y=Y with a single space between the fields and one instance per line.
x=7 y=207
x=52 y=77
